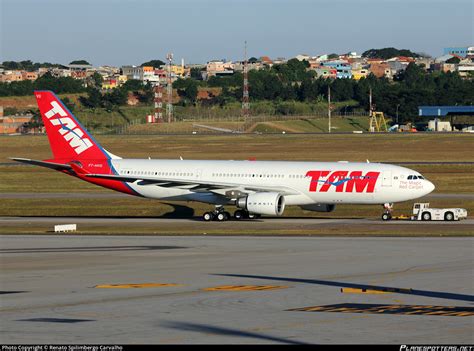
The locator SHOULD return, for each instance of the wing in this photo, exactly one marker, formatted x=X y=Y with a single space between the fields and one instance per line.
x=196 y=185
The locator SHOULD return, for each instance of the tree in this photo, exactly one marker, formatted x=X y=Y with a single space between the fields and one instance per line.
x=196 y=73
x=153 y=63
x=133 y=85
x=387 y=53
x=117 y=97
x=454 y=59
x=188 y=90
x=93 y=99
x=97 y=80
x=79 y=62
x=147 y=95
x=58 y=85
x=69 y=104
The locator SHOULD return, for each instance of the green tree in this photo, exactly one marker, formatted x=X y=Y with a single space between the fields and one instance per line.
x=133 y=85
x=97 y=80
x=188 y=91
x=387 y=53
x=153 y=63
x=79 y=62
x=59 y=85
x=454 y=59
x=69 y=104
x=147 y=95
x=93 y=99
x=196 y=73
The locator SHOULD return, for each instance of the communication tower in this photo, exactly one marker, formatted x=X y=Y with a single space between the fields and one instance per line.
x=169 y=89
x=245 y=97
x=158 y=103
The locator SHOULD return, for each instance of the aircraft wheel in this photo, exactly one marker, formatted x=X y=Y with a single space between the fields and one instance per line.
x=222 y=216
x=208 y=216
x=239 y=214
x=254 y=216
x=386 y=217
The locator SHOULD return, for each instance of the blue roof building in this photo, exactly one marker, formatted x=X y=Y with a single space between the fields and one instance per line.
x=445 y=110
x=344 y=69
x=463 y=51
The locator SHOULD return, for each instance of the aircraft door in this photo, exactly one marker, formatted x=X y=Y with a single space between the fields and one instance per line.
x=387 y=178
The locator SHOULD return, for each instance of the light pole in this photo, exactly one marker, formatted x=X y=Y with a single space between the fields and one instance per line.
x=329 y=108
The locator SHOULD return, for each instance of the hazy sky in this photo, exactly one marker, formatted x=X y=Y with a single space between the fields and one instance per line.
x=133 y=31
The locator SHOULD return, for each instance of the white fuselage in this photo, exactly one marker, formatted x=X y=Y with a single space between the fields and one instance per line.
x=311 y=182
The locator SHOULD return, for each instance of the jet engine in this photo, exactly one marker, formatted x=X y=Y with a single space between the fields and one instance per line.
x=266 y=203
x=319 y=207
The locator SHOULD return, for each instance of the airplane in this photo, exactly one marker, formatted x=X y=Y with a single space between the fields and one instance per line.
x=255 y=187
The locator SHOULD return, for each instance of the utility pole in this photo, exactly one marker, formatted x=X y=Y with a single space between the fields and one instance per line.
x=329 y=108
x=169 y=88
x=370 y=101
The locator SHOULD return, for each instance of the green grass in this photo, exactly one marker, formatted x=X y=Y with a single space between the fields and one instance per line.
x=313 y=125
x=323 y=147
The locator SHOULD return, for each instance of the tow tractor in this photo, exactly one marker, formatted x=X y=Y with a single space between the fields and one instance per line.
x=423 y=212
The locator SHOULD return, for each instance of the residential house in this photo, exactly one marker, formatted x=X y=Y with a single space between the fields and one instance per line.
x=326 y=72
x=343 y=68
x=380 y=69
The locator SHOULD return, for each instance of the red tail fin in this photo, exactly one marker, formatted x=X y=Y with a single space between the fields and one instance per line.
x=67 y=137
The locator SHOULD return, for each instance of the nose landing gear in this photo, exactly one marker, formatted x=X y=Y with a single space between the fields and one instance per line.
x=387 y=212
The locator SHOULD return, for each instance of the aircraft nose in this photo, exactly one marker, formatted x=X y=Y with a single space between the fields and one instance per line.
x=429 y=187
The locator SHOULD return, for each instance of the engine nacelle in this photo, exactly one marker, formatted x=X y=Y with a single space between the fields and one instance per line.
x=266 y=203
x=319 y=207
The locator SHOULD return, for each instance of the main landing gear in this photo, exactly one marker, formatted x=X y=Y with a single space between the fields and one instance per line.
x=387 y=211
x=220 y=215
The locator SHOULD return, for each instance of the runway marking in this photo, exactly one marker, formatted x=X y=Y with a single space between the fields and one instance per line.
x=134 y=286
x=375 y=290
x=244 y=287
x=56 y=320
x=454 y=311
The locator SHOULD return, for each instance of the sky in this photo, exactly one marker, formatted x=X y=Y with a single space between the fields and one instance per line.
x=127 y=32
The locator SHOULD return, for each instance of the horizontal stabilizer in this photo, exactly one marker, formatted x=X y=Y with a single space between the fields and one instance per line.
x=51 y=165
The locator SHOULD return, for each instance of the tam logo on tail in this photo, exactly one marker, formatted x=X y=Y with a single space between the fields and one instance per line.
x=69 y=130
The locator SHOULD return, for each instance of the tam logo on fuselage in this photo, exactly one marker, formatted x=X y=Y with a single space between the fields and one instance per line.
x=343 y=181
x=69 y=130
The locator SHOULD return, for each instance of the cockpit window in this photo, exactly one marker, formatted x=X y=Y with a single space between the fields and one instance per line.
x=420 y=177
x=410 y=177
